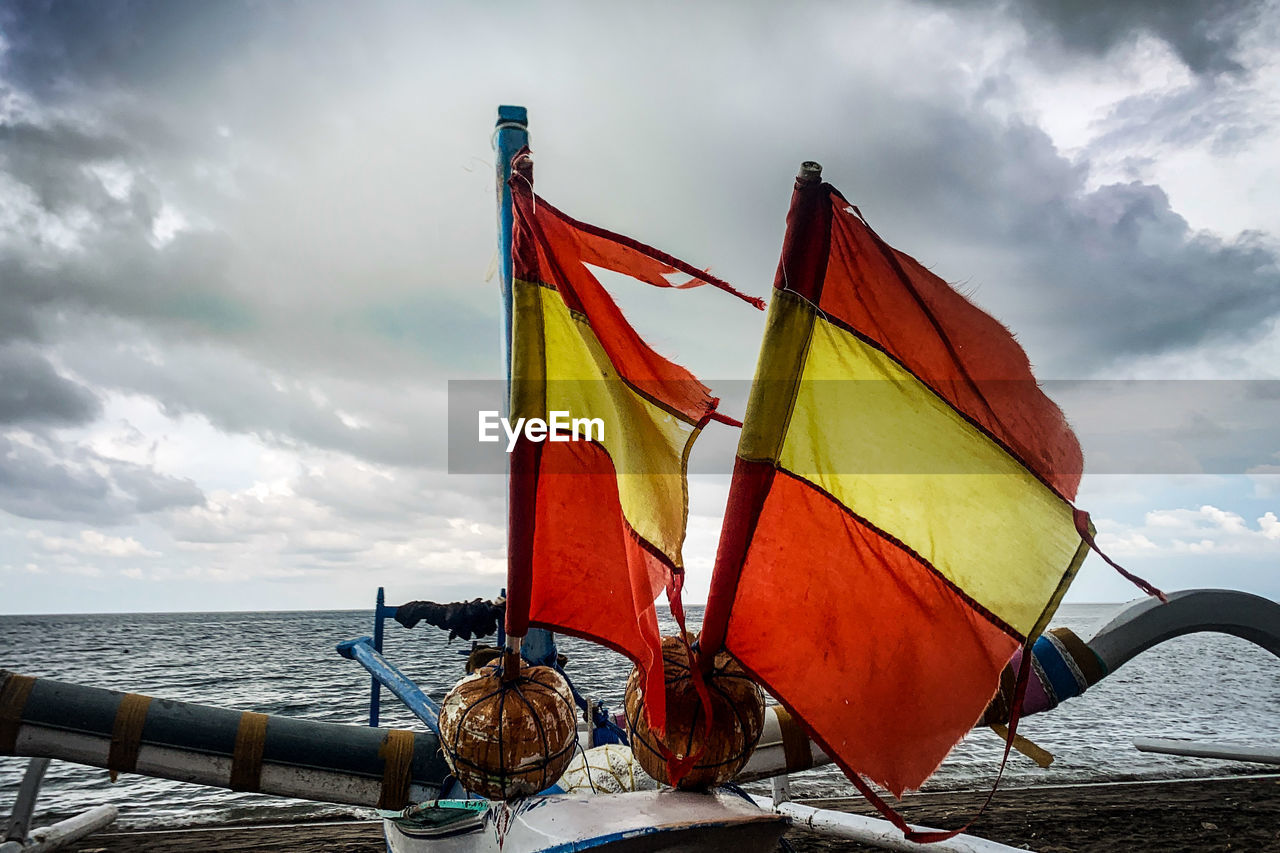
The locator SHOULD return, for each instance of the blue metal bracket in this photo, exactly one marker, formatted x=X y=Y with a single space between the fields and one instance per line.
x=423 y=706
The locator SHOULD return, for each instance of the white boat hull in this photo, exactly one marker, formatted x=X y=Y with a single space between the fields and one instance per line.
x=647 y=821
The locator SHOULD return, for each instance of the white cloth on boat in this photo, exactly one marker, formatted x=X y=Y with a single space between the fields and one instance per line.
x=608 y=769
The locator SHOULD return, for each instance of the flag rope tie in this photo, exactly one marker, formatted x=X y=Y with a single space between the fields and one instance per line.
x=724 y=419
x=1084 y=527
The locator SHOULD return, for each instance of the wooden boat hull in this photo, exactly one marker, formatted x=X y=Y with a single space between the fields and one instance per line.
x=636 y=822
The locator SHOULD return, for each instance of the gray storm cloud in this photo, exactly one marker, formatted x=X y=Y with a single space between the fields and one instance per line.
x=1205 y=34
x=44 y=478
x=313 y=224
x=32 y=392
x=278 y=218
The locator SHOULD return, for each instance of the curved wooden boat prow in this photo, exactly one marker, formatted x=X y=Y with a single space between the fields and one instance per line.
x=1148 y=622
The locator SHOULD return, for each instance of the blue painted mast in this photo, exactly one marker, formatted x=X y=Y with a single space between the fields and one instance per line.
x=510 y=135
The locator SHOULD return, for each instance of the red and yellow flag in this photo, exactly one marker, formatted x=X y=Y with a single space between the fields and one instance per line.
x=902 y=490
x=596 y=526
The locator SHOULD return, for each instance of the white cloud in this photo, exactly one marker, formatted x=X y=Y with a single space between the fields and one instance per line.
x=81 y=570
x=166 y=225
x=1192 y=531
x=1270 y=526
x=1126 y=543
x=92 y=543
x=116 y=178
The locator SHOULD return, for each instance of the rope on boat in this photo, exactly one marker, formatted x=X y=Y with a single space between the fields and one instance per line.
x=246 y=758
x=1062 y=666
x=126 y=734
x=397 y=753
x=14 y=692
x=795 y=741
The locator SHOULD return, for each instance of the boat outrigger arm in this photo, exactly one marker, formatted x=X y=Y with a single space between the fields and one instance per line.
x=1147 y=622
x=243 y=751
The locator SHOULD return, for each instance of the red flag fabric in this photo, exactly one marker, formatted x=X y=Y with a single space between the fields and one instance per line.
x=902 y=488
x=596 y=526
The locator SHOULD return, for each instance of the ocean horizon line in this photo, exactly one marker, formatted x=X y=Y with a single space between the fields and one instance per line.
x=24 y=614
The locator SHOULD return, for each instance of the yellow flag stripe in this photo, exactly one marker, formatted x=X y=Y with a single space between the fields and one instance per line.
x=562 y=366
x=874 y=437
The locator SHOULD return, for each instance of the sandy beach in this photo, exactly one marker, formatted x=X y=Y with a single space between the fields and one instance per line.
x=1195 y=815
x=1239 y=814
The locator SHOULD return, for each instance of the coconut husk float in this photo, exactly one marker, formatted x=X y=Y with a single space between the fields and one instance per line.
x=737 y=718
x=508 y=737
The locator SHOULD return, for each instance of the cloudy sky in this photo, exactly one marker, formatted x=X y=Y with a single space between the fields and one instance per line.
x=245 y=246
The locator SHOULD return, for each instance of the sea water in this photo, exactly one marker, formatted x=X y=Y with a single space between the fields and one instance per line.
x=1207 y=686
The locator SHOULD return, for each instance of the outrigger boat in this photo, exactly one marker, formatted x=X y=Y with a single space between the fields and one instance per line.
x=354 y=765
x=426 y=808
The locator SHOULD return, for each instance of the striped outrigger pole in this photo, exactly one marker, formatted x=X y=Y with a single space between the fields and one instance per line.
x=1062 y=667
